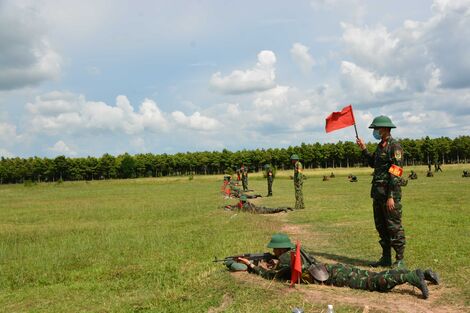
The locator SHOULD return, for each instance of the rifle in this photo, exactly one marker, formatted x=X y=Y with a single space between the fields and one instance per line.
x=255 y=257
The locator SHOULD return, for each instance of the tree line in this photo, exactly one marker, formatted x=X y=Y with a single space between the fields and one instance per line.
x=315 y=155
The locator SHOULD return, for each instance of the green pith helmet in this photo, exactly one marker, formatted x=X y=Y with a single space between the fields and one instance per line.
x=280 y=241
x=266 y=166
x=294 y=157
x=243 y=198
x=382 y=121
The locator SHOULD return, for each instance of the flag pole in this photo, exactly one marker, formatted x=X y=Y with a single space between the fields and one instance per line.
x=355 y=129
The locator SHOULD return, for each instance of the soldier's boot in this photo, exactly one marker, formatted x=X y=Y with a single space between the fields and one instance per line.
x=431 y=277
x=416 y=278
x=399 y=263
x=385 y=260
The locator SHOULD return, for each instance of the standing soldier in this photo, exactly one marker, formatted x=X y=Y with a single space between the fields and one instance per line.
x=298 y=182
x=386 y=191
x=270 y=179
x=244 y=172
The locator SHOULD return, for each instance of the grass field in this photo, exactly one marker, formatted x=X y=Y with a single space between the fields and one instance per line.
x=147 y=245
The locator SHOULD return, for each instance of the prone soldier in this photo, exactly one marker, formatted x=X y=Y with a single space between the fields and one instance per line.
x=245 y=206
x=279 y=267
x=413 y=175
x=352 y=178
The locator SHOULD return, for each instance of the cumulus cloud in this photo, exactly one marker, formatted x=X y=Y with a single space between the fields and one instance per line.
x=61 y=148
x=26 y=56
x=363 y=81
x=259 y=78
x=427 y=54
x=58 y=112
x=195 y=121
x=62 y=112
x=302 y=57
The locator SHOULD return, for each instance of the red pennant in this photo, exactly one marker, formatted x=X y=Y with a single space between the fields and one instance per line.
x=338 y=120
x=296 y=265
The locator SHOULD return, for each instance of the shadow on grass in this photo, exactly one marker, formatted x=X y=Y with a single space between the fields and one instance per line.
x=341 y=258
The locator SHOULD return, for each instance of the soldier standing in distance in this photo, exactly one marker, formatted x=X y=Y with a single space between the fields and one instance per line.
x=386 y=191
x=244 y=172
x=269 y=179
x=298 y=182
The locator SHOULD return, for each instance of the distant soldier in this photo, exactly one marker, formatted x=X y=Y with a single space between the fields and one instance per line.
x=413 y=175
x=244 y=173
x=332 y=175
x=465 y=174
x=298 y=182
x=269 y=178
x=245 y=206
x=387 y=161
x=429 y=166
x=313 y=272
x=429 y=174
x=439 y=167
x=352 y=178
x=325 y=178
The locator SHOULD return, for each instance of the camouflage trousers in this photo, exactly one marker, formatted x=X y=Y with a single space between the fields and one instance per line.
x=245 y=183
x=388 y=225
x=299 y=197
x=270 y=185
x=265 y=210
x=356 y=278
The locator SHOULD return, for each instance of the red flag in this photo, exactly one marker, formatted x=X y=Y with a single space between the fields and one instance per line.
x=296 y=265
x=338 y=120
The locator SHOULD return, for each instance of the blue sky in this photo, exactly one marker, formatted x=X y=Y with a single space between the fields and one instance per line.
x=88 y=77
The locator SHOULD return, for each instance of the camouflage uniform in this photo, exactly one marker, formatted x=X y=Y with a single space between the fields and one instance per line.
x=236 y=192
x=270 y=179
x=386 y=185
x=298 y=184
x=341 y=275
x=244 y=172
x=249 y=207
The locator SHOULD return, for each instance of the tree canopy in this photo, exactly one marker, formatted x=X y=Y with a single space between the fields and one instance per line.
x=315 y=155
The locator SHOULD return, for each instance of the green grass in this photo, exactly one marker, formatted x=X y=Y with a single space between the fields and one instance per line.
x=147 y=245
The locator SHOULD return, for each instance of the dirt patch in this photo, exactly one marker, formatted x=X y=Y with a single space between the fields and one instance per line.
x=403 y=298
x=226 y=301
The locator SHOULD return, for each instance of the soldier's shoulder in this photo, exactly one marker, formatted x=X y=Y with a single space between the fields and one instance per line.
x=285 y=258
x=395 y=144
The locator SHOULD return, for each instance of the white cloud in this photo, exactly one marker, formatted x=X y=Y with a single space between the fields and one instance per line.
x=365 y=82
x=374 y=46
x=195 y=121
x=61 y=148
x=233 y=109
x=302 y=57
x=259 y=78
x=8 y=132
x=26 y=56
x=427 y=54
x=59 y=112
